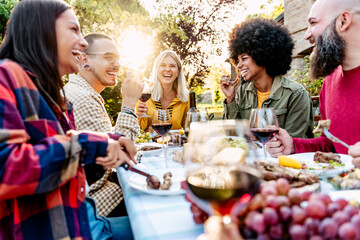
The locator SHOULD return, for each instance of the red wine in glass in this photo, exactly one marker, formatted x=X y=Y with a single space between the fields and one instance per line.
x=264 y=135
x=224 y=198
x=162 y=123
x=162 y=128
x=145 y=96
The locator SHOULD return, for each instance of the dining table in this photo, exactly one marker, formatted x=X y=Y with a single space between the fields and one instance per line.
x=157 y=215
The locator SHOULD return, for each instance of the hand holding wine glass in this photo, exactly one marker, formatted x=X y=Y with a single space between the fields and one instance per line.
x=162 y=123
x=264 y=125
x=145 y=96
x=131 y=90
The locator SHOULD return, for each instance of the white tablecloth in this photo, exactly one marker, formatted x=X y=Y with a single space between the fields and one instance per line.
x=157 y=217
x=169 y=217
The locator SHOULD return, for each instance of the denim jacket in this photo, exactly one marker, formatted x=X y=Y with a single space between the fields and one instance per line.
x=290 y=100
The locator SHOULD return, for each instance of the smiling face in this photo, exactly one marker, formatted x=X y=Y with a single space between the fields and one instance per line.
x=104 y=63
x=248 y=69
x=329 y=47
x=70 y=43
x=328 y=54
x=321 y=15
x=168 y=71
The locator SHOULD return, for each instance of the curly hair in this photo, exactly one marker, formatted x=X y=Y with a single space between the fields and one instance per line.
x=268 y=43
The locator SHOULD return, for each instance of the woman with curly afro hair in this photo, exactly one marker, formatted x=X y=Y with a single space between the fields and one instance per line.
x=261 y=51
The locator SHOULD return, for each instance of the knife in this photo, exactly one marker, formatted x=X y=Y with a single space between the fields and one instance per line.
x=333 y=138
x=127 y=167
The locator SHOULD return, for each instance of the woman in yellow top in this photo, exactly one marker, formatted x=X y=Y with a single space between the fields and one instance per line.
x=168 y=91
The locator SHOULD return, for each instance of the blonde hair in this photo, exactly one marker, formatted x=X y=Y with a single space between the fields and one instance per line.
x=179 y=84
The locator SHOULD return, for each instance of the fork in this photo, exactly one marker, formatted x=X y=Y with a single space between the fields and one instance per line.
x=139 y=156
x=333 y=138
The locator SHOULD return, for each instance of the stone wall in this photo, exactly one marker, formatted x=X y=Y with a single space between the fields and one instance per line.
x=295 y=19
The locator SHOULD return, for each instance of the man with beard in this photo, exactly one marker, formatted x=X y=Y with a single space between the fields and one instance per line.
x=334 y=28
x=98 y=69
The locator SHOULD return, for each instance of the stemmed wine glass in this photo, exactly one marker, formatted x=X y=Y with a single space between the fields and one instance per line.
x=194 y=117
x=204 y=116
x=146 y=94
x=264 y=125
x=218 y=180
x=162 y=123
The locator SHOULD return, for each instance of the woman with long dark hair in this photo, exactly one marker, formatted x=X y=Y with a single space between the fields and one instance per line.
x=42 y=186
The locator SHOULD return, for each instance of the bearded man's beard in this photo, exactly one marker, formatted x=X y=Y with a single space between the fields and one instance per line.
x=329 y=53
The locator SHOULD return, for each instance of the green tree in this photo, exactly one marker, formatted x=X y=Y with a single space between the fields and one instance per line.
x=313 y=86
x=5 y=9
x=189 y=27
x=276 y=11
x=213 y=80
x=111 y=17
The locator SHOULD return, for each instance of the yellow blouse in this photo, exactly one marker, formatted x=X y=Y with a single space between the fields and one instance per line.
x=176 y=108
x=262 y=96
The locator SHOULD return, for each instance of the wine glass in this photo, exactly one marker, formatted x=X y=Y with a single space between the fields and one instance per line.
x=194 y=117
x=146 y=94
x=218 y=180
x=204 y=116
x=264 y=125
x=162 y=123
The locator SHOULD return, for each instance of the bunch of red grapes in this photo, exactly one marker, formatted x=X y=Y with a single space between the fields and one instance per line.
x=278 y=212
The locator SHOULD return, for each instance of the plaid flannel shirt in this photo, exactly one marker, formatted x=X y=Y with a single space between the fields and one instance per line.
x=42 y=182
x=90 y=114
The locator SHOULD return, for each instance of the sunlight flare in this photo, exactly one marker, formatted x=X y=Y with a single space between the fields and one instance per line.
x=135 y=48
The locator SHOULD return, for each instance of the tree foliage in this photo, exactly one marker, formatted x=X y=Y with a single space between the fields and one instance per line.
x=190 y=29
x=213 y=80
x=313 y=86
x=5 y=9
x=276 y=11
x=111 y=17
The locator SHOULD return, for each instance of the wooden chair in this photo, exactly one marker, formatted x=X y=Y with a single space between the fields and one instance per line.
x=315 y=100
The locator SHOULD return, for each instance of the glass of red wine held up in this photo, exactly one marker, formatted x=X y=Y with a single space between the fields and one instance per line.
x=146 y=94
x=264 y=125
x=218 y=180
x=162 y=123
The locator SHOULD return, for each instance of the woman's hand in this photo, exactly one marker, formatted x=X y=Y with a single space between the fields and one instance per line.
x=354 y=151
x=227 y=88
x=141 y=109
x=117 y=153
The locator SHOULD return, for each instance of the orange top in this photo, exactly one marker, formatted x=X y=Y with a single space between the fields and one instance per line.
x=262 y=96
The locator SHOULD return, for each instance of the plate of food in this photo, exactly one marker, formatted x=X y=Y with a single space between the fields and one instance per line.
x=149 y=148
x=301 y=180
x=348 y=180
x=330 y=164
x=169 y=181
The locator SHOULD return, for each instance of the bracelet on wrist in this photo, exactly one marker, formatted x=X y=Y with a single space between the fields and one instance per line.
x=128 y=111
